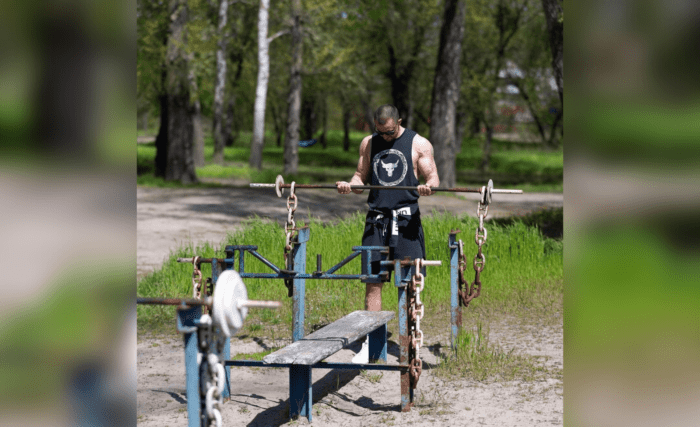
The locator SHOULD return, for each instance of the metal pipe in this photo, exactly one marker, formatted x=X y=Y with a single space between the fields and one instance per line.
x=382 y=187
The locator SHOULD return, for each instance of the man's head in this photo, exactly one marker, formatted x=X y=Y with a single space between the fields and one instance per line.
x=387 y=122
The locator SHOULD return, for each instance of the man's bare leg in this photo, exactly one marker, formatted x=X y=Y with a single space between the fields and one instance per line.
x=373 y=302
x=373 y=297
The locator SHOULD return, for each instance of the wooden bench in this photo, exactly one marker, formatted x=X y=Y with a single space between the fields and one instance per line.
x=302 y=355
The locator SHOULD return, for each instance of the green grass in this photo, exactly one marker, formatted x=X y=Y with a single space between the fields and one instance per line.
x=476 y=357
x=512 y=163
x=523 y=275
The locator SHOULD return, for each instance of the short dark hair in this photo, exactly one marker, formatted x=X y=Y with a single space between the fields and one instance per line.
x=386 y=112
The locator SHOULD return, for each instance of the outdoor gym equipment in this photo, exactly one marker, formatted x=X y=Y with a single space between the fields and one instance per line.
x=210 y=382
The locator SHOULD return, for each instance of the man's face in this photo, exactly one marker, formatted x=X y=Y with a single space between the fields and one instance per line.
x=389 y=130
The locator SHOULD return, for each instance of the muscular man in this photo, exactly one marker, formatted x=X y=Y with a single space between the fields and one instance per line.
x=394 y=156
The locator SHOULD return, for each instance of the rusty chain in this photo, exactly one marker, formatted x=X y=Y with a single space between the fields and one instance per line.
x=290 y=232
x=416 y=313
x=212 y=372
x=466 y=291
x=196 y=279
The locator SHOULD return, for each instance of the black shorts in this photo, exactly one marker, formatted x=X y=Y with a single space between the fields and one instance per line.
x=410 y=241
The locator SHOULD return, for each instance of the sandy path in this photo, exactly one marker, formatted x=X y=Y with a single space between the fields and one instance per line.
x=169 y=217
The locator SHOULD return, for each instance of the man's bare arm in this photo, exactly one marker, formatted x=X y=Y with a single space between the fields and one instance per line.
x=363 y=169
x=426 y=165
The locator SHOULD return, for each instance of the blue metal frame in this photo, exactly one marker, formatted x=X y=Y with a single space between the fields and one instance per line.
x=300 y=378
x=455 y=309
x=187 y=321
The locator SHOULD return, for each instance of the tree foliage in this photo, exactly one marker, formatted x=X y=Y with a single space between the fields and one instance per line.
x=357 y=55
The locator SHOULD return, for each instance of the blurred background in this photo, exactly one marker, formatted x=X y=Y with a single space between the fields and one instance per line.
x=67 y=179
x=632 y=203
x=70 y=105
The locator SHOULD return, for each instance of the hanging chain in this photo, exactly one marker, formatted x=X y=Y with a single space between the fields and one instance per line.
x=212 y=372
x=196 y=279
x=416 y=313
x=469 y=292
x=290 y=232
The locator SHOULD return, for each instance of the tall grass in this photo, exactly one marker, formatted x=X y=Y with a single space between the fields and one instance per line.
x=523 y=274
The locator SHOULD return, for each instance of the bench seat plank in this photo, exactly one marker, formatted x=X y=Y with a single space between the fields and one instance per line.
x=331 y=338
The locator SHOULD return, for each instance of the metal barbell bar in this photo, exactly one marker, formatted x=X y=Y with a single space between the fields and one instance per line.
x=229 y=303
x=279 y=187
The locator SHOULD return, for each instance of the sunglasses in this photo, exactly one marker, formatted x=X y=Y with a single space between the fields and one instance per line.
x=390 y=132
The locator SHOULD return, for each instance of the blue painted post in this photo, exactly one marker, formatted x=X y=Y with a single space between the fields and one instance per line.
x=377 y=344
x=300 y=391
x=403 y=337
x=186 y=318
x=299 y=254
x=455 y=309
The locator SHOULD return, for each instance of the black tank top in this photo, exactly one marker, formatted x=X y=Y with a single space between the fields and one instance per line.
x=392 y=164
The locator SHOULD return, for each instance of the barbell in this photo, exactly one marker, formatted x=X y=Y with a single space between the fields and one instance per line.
x=279 y=187
x=229 y=304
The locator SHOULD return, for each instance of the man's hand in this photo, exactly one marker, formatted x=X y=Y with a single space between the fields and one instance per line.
x=343 y=187
x=425 y=190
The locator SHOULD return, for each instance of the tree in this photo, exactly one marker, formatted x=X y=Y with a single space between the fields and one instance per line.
x=446 y=88
x=218 y=119
x=174 y=156
x=258 y=141
x=553 y=13
x=291 y=139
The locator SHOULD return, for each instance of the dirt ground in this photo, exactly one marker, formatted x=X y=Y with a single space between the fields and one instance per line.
x=169 y=217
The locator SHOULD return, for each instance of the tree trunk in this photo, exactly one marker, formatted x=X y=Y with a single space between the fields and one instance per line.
x=552 y=13
x=179 y=162
x=198 y=132
x=220 y=85
x=229 y=136
x=291 y=138
x=309 y=115
x=459 y=132
x=446 y=88
x=369 y=113
x=486 y=158
x=256 y=148
x=346 y=127
x=162 y=137
x=197 y=135
x=324 y=118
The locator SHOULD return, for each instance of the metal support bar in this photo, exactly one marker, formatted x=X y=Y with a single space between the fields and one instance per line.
x=319 y=365
x=300 y=391
x=349 y=258
x=186 y=323
x=299 y=254
x=378 y=344
x=406 y=392
x=455 y=309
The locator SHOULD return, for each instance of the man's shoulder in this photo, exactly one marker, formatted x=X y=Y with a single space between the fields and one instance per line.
x=420 y=142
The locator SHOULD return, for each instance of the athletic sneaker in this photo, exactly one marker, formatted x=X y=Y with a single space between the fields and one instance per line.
x=363 y=355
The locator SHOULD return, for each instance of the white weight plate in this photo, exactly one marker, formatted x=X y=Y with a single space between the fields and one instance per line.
x=229 y=290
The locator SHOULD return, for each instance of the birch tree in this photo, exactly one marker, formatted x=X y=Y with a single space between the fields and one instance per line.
x=256 y=147
x=218 y=119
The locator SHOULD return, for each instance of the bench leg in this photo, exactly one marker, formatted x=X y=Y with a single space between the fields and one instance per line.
x=300 y=387
x=377 y=344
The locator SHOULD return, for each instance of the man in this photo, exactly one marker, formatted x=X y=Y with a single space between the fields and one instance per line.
x=393 y=156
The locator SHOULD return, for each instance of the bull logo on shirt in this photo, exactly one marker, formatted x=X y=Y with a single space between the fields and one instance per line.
x=389 y=167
